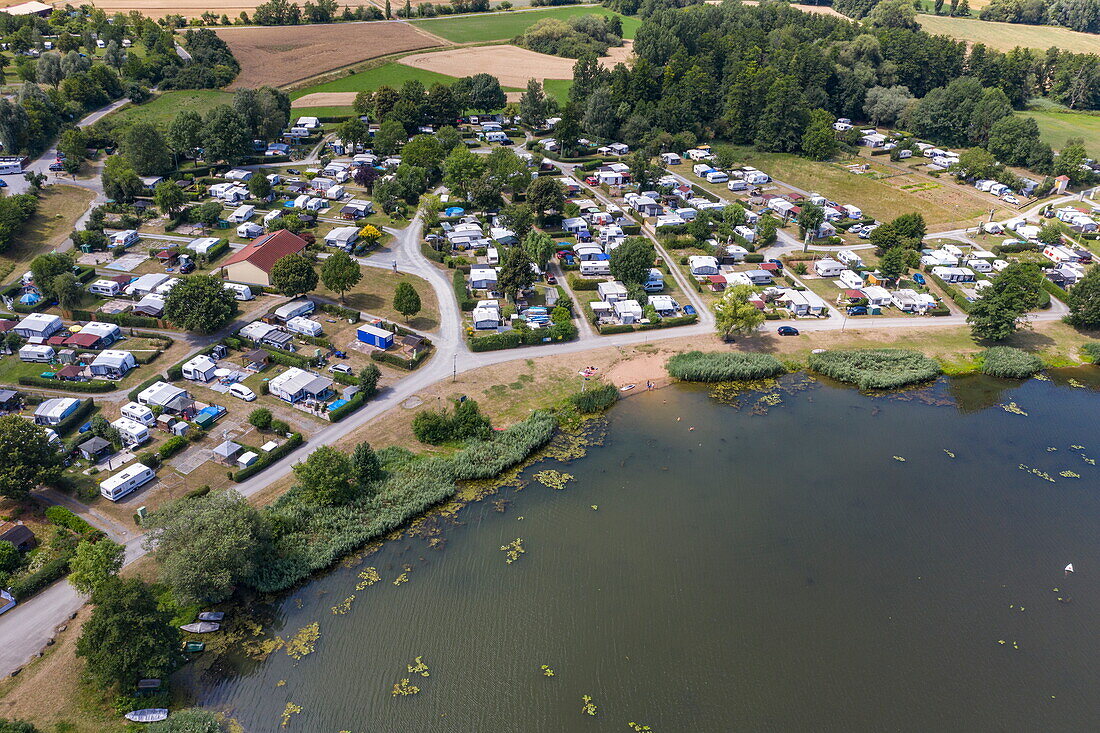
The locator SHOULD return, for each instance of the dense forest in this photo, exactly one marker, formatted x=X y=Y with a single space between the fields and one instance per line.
x=776 y=77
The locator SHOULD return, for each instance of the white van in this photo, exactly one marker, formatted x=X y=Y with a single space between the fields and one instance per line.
x=240 y=291
x=655 y=281
x=242 y=392
x=128 y=479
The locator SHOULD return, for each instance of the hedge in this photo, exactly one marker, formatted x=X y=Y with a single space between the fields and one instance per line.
x=217 y=250
x=96 y=385
x=432 y=254
x=75 y=420
x=579 y=283
x=266 y=459
x=397 y=361
x=458 y=281
x=171 y=447
x=52 y=571
x=63 y=517
x=1054 y=289
x=495 y=341
x=754 y=257
x=359 y=399
x=1091 y=350
x=341 y=312
x=952 y=292
x=668 y=323
x=616 y=328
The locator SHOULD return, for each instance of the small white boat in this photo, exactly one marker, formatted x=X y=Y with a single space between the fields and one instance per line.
x=211 y=616
x=1069 y=568
x=148 y=715
x=201 y=627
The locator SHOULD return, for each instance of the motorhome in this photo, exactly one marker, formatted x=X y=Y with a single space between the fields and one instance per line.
x=125 y=481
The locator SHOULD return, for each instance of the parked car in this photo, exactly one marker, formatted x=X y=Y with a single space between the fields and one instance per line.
x=293 y=171
x=187 y=267
x=1010 y=199
x=57 y=167
x=918 y=278
x=787 y=331
x=551 y=280
x=340 y=369
x=242 y=392
x=777 y=263
x=857 y=310
x=689 y=310
x=866 y=233
x=592 y=180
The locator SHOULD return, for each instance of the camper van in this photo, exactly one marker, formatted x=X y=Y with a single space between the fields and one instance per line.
x=36 y=352
x=240 y=291
x=655 y=281
x=106 y=288
x=128 y=479
x=302 y=325
x=595 y=267
x=132 y=432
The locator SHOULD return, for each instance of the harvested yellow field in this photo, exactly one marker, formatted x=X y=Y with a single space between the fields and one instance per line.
x=277 y=56
x=161 y=8
x=514 y=66
x=326 y=99
x=1006 y=36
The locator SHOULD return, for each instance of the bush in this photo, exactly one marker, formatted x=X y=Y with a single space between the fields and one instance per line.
x=495 y=341
x=51 y=571
x=149 y=458
x=73 y=421
x=718 y=366
x=260 y=418
x=62 y=517
x=754 y=257
x=458 y=281
x=1005 y=361
x=171 y=447
x=397 y=361
x=96 y=385
x=876 y=368
x=1091 y=351
x=466 y=421
x=358 y=400
x=577 y=283
x=340 y=311
x=616 y=328
x=595 y=400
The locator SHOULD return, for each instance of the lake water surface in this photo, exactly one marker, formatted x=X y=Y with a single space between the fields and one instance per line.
x=773 y=569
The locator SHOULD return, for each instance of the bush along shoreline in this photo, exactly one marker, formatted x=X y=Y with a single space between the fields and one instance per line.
x=719 y=366
x=876 y=368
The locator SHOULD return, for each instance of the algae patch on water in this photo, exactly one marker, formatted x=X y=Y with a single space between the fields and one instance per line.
x=553 y=479
x=589 y=706
x=367 y=578
x=288 y=711
x=513 y=550
x=405 y=687
x=305 y=641
x=418 y=667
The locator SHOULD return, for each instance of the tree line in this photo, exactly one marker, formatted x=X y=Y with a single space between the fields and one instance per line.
x=1077 y=15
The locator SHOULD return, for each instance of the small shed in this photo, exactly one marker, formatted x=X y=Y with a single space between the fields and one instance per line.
x=19 y=535
x=257 y=360
x=94 y=449
x=375 y=336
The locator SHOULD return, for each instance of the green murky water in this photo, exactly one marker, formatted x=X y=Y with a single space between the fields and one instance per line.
x=774 y=568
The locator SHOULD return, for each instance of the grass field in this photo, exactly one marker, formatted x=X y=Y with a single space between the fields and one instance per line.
x=1057 y=127
x=163 y=108
x=1006 y=36
x=391 y=74
x=504 y=26
x=58 y=209
x=558 y=89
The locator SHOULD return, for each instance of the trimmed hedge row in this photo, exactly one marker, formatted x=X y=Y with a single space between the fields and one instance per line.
x=52 y=571
x=577 y=282
x=397 y=361
x=359 y=399
x=458 y=281
x=133 y=394
x=64 y=517
x=73 y=421
x=267 y=459
x=952 y=292
x=96 y=385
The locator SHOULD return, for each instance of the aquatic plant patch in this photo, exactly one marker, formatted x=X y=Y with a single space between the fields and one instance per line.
x=721 y=366
x=1005 y=361
x=876 y=368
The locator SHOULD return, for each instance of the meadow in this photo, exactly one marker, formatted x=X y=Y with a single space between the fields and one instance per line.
x=161 y=109
x=1057 y=127
x=507 y=25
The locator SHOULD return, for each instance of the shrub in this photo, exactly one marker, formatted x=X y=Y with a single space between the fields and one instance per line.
x=595 y=400
x=876 y=368
x=62 y=517
x=51 y=571
x=1005 y=361
x=96 y=385
x=495 y=341
x=754 y=257
x=616 y=328
x=267 y=459
x=458 y=280
x=149 y=458
x=578 y=283
x=718 y=366
x=358 y=400
x=1091 y=351
x=260 y=418
x=171 y=447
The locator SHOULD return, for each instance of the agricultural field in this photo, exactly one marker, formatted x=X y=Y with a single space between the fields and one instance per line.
x=514 y=66
x=1057 y=127
x=504 y=26
x=166 y=105
x=160 y=9
x=278 y=56
x=1006 y=36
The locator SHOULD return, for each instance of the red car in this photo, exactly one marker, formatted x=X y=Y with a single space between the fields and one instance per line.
x=592 y=180
x=551 y=280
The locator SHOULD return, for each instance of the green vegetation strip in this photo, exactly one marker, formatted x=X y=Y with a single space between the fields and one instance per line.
x=717 y=366
x=876 y=368
x=1005 y=361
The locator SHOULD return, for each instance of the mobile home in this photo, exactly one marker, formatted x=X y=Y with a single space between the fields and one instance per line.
x=128 y=479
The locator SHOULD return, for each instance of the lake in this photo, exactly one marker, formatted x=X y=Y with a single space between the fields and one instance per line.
x=735 y=563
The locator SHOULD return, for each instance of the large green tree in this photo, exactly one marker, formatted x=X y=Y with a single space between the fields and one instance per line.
x=734 y=314
x=225 y=135
x=631 y=260
x=1084 y=301
x=539 y=246
x=144 y=147
x=406 y=300
x=200 y=303
x=169 y=198
x=29 y=460
x=293 y=275
x=515 y=272
x=340 y=273
x=120 y=180
x=205 y=546
x=997 y=314
x=819 y=140
x=128 y=636
x=544 y=195
x=94 y=564
x=325 y=477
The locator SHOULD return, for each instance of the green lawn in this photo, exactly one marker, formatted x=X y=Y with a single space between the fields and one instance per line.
x=391 y=74
x=163 y=108
x=1057 y=127
x=503 y=26
x=558 y=89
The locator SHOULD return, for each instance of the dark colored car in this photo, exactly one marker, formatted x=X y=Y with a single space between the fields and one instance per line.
x=777 y=263
x=857 y=310
x=689 y=310
x=293 y=171
x=57 y=167
x=551 y=280
x=187 y=267
x=787 y=331
x=918 y=278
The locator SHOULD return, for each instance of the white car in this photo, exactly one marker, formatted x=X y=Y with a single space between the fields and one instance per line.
x=340 y=369
x=242 y=392
x=1010 y=199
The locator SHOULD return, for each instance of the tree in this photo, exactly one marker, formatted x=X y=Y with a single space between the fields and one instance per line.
x=260 y=418
x=783 y=119
x=48 y=69
x=207 y=214
x=324 y=477
x=390 y=137
x=365 y=464
x=46 y=267
x=532 y=105
x=810 y=219
x=991 y=317
x=884 y=105
x=631 y=260
x=94 y=564
x=1070 y=161
x=539 y=246
x=293 y=275
x=462 y=168
x=10 y=559
x=1084 y=301
x=146 y=150
x=225 y=135
x=1051 y=233
x=120 y=180
x=734 y=314
x=894 y=14
x=113 y=55
x=73 y=144
x=911 y=228
x=185 y=132
x=169 y=198
x=819 y=139
x=369 y=377
x=353 y=131
x=340 y=273
x=205 y=545
x=200 y=303
x=258 y=186
x=67 y=290
x=127 y=636
x=515 y=273
x=892 y=265
x=996 y=315
x=519 y=218
x=406 y=300
x=480 y=92
x=544 y=195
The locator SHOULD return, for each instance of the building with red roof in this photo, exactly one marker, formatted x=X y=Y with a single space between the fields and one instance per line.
x=252 y=264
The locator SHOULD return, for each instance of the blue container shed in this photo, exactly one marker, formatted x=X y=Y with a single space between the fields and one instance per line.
x=376 y=336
